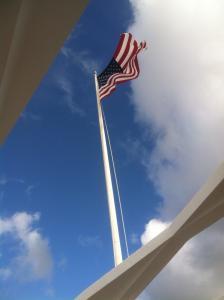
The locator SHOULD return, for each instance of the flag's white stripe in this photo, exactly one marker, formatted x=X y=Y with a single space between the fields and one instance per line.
x=105 y=87
x=123 y=47
x=112 y=79
x=108 y=86
x=127 y=69
x=114 y=76
x=121 y=77
x=111 y=82
x=132 y=73
x=131 y=49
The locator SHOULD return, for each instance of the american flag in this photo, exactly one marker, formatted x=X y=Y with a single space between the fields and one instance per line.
x=122 y=67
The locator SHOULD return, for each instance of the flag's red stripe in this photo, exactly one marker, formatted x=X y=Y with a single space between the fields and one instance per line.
x=119 y=45
x=131 y=67
x=120 y=78
x=134 y=51
x=126 y=50
x=112 y=80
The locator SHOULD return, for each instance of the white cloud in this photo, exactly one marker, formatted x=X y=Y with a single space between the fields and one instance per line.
x=198 y=268
x=4 y=180
x=83 y=60
x=179 y=97
x=5 y=273
x=80 y=58
x=152 y=229
x=180 y=92
x=90 y=241
x=50 y=292
x=34 y=260
x=66 y=86
x=134 y=239
x=29 y=190
x=27 y=115
x=63 y=263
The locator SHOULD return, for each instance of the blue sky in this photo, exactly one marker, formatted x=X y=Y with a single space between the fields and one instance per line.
x=166 y=130
x=52 y=165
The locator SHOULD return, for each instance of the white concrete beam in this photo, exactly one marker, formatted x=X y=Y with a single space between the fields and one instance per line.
x=31 y=34
x=130 y=278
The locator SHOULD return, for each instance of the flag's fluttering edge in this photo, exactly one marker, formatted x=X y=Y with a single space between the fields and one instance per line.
x=122 y=67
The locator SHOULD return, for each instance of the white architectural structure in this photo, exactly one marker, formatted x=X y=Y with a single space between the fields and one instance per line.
x=128 y=280
x=31 y=34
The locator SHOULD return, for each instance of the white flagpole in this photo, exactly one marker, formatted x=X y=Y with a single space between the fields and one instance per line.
x=109 y=187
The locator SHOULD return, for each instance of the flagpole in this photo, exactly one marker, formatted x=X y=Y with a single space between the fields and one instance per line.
x=109 y=187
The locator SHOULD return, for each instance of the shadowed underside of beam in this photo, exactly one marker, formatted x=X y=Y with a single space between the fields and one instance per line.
x=33 y=32
x=129 y=279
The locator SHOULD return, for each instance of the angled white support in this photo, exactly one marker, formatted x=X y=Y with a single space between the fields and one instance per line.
x=31 y=34
x=129 y=279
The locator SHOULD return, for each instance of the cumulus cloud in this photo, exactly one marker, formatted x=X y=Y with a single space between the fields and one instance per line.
x=152 y=229
x=34 y=260
x=179 y=98
x=198 y=268
x=180 y=92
